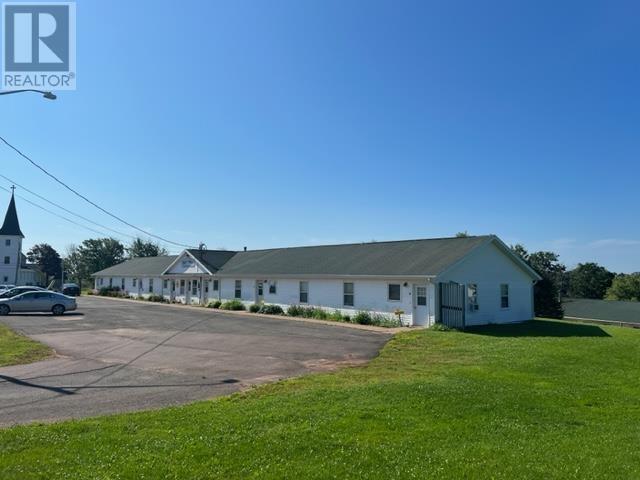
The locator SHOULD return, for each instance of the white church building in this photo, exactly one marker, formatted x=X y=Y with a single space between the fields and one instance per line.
x=14 y=269
x=456 y=281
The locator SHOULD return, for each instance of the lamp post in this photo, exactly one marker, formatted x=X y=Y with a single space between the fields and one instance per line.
x=45 y=94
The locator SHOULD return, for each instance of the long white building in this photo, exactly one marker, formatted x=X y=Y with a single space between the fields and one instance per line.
x=457 y=281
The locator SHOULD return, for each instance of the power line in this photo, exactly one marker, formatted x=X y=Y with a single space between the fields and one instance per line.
x=54 y=213
x=86 y=199
x=65 y=209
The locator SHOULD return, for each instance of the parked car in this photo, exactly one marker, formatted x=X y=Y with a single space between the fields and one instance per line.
x=39 y=301
x=6 y=287
x=71 y=289
x=12 y=292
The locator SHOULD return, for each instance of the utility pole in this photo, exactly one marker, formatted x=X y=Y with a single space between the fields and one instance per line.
x=61 y=275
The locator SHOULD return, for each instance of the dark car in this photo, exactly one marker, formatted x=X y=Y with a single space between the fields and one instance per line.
x=71 y=289
x=12 y=292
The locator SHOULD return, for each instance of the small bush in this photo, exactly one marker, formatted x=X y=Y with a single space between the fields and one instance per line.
x=233 y=305
x=255 y=308
x=336 y=316
x=155 y=298
x=362 y=318
x=294 y=311
x=272 y=310
x=214 y=304
x=375 y=319
x=110 y=292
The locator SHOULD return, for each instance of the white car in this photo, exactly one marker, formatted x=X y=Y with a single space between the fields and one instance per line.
x=40 y=301
x=6 y=287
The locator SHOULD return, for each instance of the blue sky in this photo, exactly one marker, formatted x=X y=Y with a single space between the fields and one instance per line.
x=290 y=123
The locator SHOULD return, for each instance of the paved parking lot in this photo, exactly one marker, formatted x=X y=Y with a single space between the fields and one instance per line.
x=116 y=356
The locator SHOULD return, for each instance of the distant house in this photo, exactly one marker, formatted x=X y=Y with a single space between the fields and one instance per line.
x=457 y=281
x=14 y=269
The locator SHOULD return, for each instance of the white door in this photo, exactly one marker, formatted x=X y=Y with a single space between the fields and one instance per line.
x=420 y=308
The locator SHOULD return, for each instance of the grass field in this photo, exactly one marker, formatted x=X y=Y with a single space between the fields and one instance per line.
x=538 y=400
x=602 y=309
x=16 y=349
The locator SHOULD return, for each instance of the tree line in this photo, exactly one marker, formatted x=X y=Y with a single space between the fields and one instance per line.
x=91 y=256
x=586 y=280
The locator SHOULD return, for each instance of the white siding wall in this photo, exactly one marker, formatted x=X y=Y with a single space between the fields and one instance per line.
x=488 y=267
x=10 y=270
x=369 y=295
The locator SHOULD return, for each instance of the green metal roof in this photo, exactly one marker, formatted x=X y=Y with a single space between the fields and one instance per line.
x=399 y=258
x=11 y=225
x=212 y=259
x=142 y=266
x=428 y=257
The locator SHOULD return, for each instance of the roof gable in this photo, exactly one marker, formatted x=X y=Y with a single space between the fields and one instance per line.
x=11 y=225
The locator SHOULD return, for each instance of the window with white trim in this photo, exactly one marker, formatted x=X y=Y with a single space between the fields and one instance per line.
x=7 y=242
x=347 y=294
x=165 y=284
x=122 y=284
x=238 y=289
x=393 y=292
x=472 y=296
x=194 y=287
x=304 y=292
x=151 y=285
x=421 y=296
x=182 y=283
x=135 y=282
x=216 y=285
x=273 y=287
x=504 y=295
x=7 y=260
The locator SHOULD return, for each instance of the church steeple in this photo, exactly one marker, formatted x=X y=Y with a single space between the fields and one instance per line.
x=11 y=225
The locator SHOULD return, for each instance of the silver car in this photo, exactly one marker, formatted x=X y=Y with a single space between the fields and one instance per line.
x=42 y=301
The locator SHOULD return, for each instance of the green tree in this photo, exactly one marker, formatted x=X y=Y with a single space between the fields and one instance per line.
x=73 y=268
x=625 y=287
x=546 y=293
x=462 y=234
x=47 y=258
x=590 y=280
x=95 y=254
x=142 y=248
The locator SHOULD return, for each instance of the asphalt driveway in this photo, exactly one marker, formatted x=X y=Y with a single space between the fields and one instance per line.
x=116 y=356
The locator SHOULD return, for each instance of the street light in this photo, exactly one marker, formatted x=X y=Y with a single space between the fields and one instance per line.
x=47 y=95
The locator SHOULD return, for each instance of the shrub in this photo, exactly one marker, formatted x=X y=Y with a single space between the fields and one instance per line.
x=255 y=308
x=336 y=316
x=233 y=305
x=155 y=298
x=109 y=291
x=375 y=319
x=294 y=311
x=214 y=304
x=272 y=310
x=362 y=318
x=319 y=314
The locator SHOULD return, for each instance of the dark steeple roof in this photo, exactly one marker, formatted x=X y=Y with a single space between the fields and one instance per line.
x=11 y=226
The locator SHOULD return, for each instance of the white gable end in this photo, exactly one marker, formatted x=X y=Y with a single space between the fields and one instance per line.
x=185 y=264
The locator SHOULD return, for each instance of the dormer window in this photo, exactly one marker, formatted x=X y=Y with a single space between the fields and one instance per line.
x=7 y=242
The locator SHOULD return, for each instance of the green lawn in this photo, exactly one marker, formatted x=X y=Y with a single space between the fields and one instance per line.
x=539 y=400
x=16 y=349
